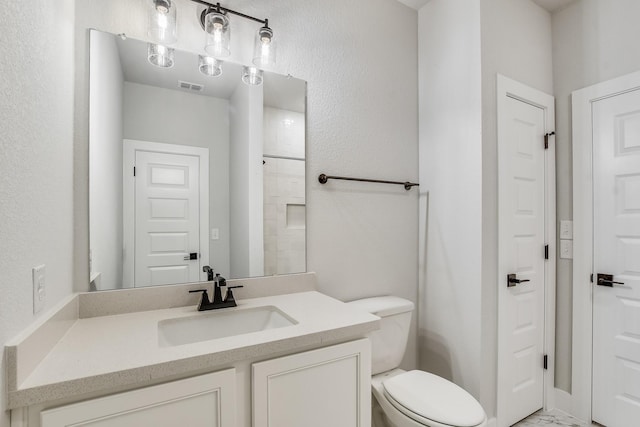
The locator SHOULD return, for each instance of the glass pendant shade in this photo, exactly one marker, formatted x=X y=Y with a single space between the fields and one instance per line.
x=252 y=76
x=160 y=56
x=264 y=50
x=210 y=66
x=216 y=26
x=162 y=21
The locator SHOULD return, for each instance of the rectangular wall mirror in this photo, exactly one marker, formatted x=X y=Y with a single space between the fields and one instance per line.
x=189 y=169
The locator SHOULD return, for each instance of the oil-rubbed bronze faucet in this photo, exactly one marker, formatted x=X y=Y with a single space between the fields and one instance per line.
x=218 y=302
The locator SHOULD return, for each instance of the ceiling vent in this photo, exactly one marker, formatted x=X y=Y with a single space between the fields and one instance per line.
x=190 y=86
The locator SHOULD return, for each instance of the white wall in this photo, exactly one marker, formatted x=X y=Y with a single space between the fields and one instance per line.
x=36 y=160
x=361 y=120
x=246 y=181
x=451 y=191
x=594 y=41
x=105 y=151
x=516 y=42
x=178 y=117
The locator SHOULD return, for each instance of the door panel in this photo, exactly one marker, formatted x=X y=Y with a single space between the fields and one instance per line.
x=616 y=309
x=167 y=218
x=522 y=240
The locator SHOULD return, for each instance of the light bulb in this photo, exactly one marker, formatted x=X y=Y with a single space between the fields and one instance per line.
x=162 y=22
x=216 y=26
x=210 y=66
x=252 y=76
x=160 y=56
x=264 y=53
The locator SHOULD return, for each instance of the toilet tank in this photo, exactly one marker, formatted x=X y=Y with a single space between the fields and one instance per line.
x=388 y=343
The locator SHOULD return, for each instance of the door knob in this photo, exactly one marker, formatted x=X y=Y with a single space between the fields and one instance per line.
x=607 y=280
x=191 y=256
x=513 y=281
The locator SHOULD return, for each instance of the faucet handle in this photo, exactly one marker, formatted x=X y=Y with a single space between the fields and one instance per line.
x=219 y=280
x=229 y=297
x=205 y=296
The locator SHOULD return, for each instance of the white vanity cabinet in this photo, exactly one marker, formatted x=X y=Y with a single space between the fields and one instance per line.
x=203 y=401
x=330 y=386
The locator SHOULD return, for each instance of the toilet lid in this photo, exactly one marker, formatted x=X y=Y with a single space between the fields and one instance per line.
x=434 y=398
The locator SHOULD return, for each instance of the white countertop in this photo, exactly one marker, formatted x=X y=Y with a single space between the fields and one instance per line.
x=109 y=352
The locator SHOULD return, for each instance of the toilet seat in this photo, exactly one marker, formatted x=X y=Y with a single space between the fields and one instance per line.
x=431 y=400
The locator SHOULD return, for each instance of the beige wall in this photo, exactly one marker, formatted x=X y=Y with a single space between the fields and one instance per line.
x=451 y=192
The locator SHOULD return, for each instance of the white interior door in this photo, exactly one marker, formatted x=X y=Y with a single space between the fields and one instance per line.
x=616 y=250
x=522 y=239
x=166 y=213
x=167 y=218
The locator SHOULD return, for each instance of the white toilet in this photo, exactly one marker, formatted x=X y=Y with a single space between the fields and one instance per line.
x=414 y=398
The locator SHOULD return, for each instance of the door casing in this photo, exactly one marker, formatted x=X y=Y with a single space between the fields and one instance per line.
x=510 y=88
x=582 y=329
x=128 y=223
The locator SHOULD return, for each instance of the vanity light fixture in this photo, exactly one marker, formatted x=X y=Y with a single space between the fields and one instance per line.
x=160 y=56
x=252 y=75
x=162 y=21
x=209 y=66
x=216 y=25
x=264 y=50
x=214 y=20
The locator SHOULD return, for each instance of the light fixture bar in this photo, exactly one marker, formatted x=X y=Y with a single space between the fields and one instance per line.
x=217 y=7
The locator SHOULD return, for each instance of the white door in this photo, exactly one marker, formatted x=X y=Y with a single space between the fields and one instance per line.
x=166 y=210
x=616 y=250
x=167 y=219
x=522 y=240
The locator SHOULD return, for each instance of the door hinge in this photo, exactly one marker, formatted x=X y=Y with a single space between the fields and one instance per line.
x=544 y=361
x=134 y=171
x=546 y=251
x=546 y=139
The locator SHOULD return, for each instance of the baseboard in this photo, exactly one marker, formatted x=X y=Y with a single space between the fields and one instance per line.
x=563 y=401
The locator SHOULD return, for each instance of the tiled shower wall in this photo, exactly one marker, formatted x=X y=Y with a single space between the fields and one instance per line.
x=284 y=192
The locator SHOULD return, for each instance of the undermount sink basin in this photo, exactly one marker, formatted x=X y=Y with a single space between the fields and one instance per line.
x=214 y=325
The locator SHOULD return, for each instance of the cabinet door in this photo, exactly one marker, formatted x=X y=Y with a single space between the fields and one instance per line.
x=203 y=401
x=326 y=387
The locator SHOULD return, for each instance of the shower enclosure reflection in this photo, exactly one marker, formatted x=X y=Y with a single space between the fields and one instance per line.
x=188 y=170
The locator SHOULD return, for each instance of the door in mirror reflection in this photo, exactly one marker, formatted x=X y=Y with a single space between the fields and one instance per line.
x=168 y=192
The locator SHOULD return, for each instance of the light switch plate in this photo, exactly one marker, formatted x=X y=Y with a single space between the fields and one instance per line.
x=215 y=234
x=39 y=288
x=566 y=249
x=566 y=229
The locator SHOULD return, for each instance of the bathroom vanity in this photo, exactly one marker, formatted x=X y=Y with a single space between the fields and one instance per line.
x=148 y=357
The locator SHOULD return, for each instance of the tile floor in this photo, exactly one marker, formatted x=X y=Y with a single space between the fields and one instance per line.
x=551 y=419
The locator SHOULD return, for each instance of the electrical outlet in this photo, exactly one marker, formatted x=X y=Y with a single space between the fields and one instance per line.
x=566 y=249
x=39 y=289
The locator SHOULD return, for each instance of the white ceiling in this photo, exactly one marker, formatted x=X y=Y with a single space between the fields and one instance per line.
x=415 y=4
x=550 y=5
